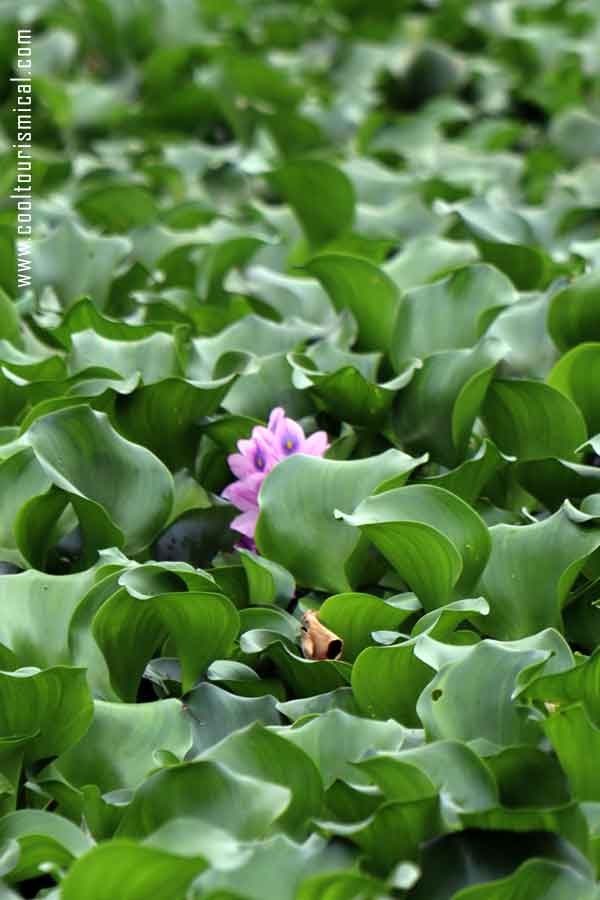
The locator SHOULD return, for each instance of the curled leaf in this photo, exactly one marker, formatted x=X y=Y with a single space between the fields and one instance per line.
x=317 y=641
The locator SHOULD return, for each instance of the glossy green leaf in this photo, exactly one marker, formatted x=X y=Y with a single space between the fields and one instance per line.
x=531 y=570
x=575 y=739
x=36 y=610
x=573 y=375
x=260 y=753
x=387 y=681
x=354 y=617
x=462 y=779
x=334 y=740
x=107 y=869
x=42 y=837
x=138 y=730
x=574 y=315
x=52 y=707
x=531 y=420
x=215 y=713
x=268 y=582
x=447 y=706
x=98 y=256
x=278 y=854
x=300 y=181
x=363 y=288
x=308 y=490
x=347 y=393
x=84 y=456
x=448 y=314
x=201 y=625
x=206 y=792
x=434 y=540
x=438 y=408
x=540 y=879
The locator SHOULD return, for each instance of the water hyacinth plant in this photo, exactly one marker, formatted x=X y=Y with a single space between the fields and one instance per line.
x=259 y=454
x=251 y=220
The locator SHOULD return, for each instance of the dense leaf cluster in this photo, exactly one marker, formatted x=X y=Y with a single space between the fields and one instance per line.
x=383 y=217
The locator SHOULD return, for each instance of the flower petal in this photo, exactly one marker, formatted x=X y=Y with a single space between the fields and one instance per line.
x=246 y=523
x=275 y=418
x=244 y=494
x=316 y=444
x=241 y=465
x=291 y=437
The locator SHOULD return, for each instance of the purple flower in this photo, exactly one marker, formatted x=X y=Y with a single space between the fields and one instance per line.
x=264 y=449
x=290 y=438
x=244 y=495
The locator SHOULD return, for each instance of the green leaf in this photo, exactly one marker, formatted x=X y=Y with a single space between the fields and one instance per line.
x=469 y=860
x=355 y=616
x=528 y=777
x=576 y=133
x=21 y=477
x=448 y=314
x=9 y=329
x=370 y=295
x=301 y=181
x=278 y=854
x=164 y=417
x=530 y=351
x=576 y=741
x=306 y=677
x=206 y=792
x=553 y=480
x=252 y=334
x=260 y=753
x=268 y=582
x=43 y=837
x=36 y=611
x=379 y=672
x=531 y=570
x=574 y=314
x=117 y=207
x=528 y=267
x=98 y=256
x=540 y=879
x=84 y=456
x=449 y=766
x=469 y=479
x=138 y=730
x=435 y=541
x=152 y=358
x=54 y=708
x=39 y=535
x=335 y=739
x=340 y=698
x=107 y=871
x=128 y=630
x=347 y=393
x=215 y=713
x=437 y=410
x=395 y=831
x=346 y=885
x=427 y=258
x=532 y=420
x=573 y=376
x=297 y=528
x=448 y=708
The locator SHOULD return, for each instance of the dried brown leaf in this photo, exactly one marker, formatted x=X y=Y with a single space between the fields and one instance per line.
x=317 y=641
